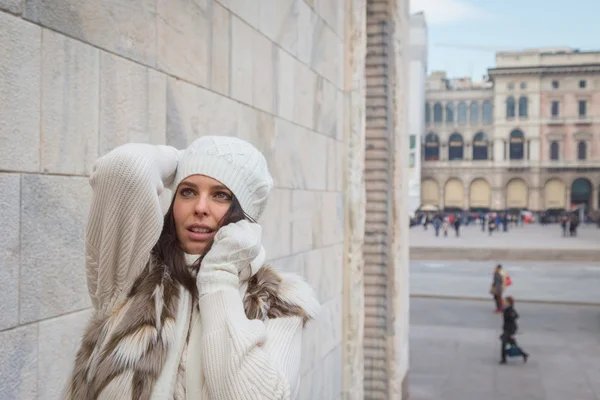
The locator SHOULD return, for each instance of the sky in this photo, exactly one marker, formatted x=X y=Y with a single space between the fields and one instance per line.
x=465 y=34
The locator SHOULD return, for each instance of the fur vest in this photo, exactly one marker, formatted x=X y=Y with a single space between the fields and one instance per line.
x=129 y=347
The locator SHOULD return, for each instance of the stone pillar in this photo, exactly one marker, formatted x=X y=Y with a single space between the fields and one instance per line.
x=467 y=200
x=568 y=194
x=354 y=200
x=399 y=304
x=594 y=197
x=498 y=149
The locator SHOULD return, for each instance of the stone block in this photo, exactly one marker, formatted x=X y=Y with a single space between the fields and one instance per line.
x=299 y=159
x=193 y=112
x=326 y=108
x=323 y=270
x=20 y=44
x=70 y=93
x=242 y=61
x=286 y=85
x=247 y=10
x=183 y=30
x=124 y=27
x=132 y=103
x=18 y=363
x=276 y=224
x=10 y=199
x=325 y=380
x=327 y=53
x=220 y=49
x=332 y=166
x=278 y=21
x=293 y=263
x=58 y=341
x=307 y=21
x=53 y=214
x=330 y=325
x=341 y=98
x=302 y=239
x=328 y=224
x=304 y=102
x=263 y=74
x=333 y=13
x=12 y=6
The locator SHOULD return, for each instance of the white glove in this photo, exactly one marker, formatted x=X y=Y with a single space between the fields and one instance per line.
x=234 y=249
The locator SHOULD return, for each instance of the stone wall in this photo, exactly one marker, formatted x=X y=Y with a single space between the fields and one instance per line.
x=80 y=77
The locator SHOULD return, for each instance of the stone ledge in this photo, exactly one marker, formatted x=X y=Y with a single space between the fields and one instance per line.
x=507 y=254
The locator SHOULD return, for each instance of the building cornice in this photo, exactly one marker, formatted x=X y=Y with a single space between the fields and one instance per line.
x=544 y=70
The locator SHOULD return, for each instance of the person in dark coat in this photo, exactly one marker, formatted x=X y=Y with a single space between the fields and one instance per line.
x=509 y=329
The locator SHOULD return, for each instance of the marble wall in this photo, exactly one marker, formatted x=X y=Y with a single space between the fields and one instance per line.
x=80 y=77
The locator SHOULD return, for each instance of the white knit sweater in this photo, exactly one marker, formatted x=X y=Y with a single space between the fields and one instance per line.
x=227 y=355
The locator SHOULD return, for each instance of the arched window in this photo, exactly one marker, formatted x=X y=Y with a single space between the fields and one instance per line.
x=462 y=113
x=554 y=150
x=522 y=106
x=437 y=113
x=432 y=147
x=427 y=113
x=450 y=112
x=474 y=112
x=480 y=146
x=510 y=107
x=487 y=112
x=455 y=147
x=516 y=145
x=581 y=150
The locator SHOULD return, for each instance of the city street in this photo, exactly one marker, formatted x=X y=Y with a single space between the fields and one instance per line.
x=454 y=352
x=542 y=281
x=454 y=334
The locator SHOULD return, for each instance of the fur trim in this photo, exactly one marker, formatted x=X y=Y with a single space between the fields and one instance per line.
x=273 y=295
x=123 y=354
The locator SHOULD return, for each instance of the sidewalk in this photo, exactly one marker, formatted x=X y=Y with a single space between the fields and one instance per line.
x=454 y=352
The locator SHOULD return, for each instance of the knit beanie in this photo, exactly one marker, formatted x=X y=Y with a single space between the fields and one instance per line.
x=233 y=162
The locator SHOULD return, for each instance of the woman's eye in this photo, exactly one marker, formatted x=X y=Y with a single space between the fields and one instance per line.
x=186 y=192
x=222 y=196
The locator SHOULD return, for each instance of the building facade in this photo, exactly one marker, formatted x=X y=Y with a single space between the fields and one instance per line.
x=416 y=119
x=543 y=140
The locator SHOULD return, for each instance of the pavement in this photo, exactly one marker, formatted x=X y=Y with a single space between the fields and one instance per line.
x=454 y=352
x=532 y=281
x=531 y=236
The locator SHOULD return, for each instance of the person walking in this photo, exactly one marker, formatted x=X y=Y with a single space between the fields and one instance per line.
x=497 y=289
x=509 y=329
x=445 y=225
x=183 y=307
x=457 y=226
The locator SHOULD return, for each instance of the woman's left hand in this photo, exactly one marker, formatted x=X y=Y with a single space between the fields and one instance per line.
x=235 y=247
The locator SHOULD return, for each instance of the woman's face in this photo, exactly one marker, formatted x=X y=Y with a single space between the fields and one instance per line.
x=199 y=206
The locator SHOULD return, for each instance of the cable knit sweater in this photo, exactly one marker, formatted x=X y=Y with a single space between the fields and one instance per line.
x=212 y=350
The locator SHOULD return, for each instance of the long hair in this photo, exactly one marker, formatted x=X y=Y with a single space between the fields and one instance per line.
x=168 y=251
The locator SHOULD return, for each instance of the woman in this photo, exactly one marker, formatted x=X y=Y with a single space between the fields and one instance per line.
x=509 y=329
x=183 y=307
x=498 y=287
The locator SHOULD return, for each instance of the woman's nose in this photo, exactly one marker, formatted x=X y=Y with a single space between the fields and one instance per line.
x=202 y=205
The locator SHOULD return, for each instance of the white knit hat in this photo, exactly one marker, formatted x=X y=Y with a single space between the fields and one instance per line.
x=233 y=162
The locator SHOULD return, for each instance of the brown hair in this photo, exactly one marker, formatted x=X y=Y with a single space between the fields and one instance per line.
x=510 y=300
x=167 y=250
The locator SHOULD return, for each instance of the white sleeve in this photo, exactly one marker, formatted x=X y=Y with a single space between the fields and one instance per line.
x=125 y=219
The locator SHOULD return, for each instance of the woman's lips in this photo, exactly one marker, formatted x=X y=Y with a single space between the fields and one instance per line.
x=200 y=236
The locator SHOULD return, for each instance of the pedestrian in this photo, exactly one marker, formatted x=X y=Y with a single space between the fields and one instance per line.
x=564 y=222
x=483 y=218
x=491 y=225
x=457 y=226
x=437 y=223
x=183 y=306
x=445 y=225
x=497 y=288
x=509 y=329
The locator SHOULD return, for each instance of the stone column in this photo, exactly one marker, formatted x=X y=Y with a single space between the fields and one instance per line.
x=354 y=200
x=594 y=197
x=467 y=199
x=568 y=194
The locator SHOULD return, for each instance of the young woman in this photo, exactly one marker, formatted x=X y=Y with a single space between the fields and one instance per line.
x=498 y=283
x=183 y=306
x=509 y=329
